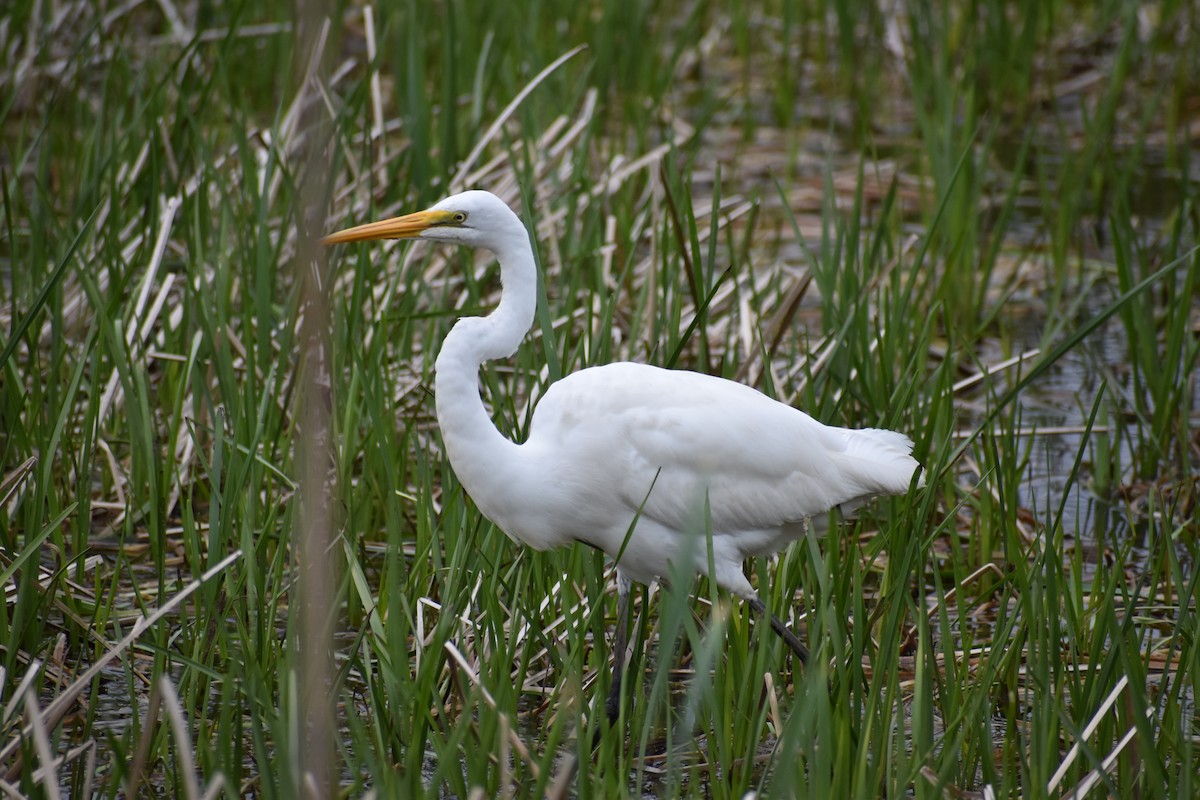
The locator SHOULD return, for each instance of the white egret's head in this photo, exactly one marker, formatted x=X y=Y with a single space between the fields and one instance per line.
x=475 y=218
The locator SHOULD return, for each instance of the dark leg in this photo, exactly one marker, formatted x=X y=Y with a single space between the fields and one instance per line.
x=613 y=705
x=777 y=625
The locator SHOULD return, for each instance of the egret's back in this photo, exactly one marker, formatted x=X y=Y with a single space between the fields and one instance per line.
x=630 y=440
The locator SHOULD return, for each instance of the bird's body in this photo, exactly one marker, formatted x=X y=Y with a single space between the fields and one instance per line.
x=638 y=461
x=625 y=441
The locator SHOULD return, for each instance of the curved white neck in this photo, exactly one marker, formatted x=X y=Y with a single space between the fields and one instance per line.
x=475 y=447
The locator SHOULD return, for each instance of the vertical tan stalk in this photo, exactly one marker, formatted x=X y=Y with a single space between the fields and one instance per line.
x=315 y=597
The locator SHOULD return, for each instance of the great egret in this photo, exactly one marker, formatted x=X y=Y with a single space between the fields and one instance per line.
x=622 y=456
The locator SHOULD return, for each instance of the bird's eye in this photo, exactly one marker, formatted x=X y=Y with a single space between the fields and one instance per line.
x=460 y=216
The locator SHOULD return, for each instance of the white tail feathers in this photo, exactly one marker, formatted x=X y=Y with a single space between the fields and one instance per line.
x=884 y=458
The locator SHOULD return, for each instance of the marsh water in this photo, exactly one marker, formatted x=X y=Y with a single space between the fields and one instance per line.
x=823 y=150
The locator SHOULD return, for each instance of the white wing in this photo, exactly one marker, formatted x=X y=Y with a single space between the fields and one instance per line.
x=763 y=464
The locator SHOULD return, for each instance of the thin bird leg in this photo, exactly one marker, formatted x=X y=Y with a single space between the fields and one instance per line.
x=793 y=641
x=613 y=705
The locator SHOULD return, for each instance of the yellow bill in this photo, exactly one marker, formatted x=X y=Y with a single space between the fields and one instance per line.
x=406 y=227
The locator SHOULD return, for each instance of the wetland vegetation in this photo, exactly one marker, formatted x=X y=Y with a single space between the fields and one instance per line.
x=972 y=221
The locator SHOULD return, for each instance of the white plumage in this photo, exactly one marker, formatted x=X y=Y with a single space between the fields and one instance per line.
x=613 y=443
x=608 y=442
